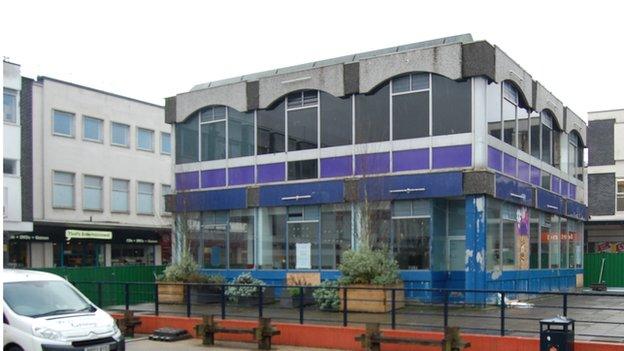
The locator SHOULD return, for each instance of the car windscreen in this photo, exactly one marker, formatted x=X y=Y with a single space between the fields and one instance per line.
x=44 y=298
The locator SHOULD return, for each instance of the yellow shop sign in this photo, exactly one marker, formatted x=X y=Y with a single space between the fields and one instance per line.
x=88 y=234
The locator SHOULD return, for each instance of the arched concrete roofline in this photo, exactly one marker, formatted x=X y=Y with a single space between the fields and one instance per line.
x=196 y=112
x=508 y=69
x=283 y=97
x=231 y=95
x=543 y=98
x=387 y=80
x=574 y=123
x=524 y=100
x=579 y=136
x=558 y=126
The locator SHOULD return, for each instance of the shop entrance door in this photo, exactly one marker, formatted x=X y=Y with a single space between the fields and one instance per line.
x=456 y=246
x=303 y=237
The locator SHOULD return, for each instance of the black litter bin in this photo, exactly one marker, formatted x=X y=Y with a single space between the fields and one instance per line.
x=557 y=334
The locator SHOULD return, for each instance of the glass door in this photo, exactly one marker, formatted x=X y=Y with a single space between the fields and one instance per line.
x=303 y=237
x=456 y=252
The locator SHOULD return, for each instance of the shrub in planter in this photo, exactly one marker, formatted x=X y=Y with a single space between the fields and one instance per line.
x=171 y=287
x=365 y=274
x=326 y=296
x=291 y=296
x=245 y=290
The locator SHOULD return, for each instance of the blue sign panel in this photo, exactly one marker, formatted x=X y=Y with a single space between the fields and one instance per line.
x=412 y=186
x=302 y=193
x=550 y=202
x=515 y=191
x=214 y=200
x=576 y=210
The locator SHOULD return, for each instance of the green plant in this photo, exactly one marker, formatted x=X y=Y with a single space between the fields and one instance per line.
x=294 y=291
x=326 y=295
x=186 y=270
x=243 y=286
x=369 y=266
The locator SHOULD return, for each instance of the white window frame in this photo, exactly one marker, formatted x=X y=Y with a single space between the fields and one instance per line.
x=72 y=133
x=162 y=134
x=16 y=167
x=73 y=187
x=112 y=128
x=101 y=132
x=101 y=189
x=138 y=211
x=138 y=146
x=112 y=190
x=15 y=94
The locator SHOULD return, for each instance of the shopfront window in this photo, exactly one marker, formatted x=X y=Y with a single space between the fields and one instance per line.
x=508 y=247
x=564 y=243
x=456 y=241
x=272 y=238
x=80 y=253
x=493 y=238
x=132 y=255
x=335 y=234
x=303 y=234
x=213 y=229
x=188 y=231
x=18 y=254
x=411 y=222
x=534 y=240
x=241 y=239
x=373 y=223
x=546 y=237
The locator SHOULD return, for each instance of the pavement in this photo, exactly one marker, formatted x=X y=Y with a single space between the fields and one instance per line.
x=142 y=343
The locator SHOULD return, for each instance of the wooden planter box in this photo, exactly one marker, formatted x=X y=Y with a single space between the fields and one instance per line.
x=204 y=294
x=171 y=293
x=288 y=301
x=370 y=298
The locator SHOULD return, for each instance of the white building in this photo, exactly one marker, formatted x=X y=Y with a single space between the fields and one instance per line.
x=101 y=165
x=14 y=220
x=605 y=229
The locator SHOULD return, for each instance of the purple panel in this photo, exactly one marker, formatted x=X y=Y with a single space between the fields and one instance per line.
x=213 y=178
x=536 y=176
x=187 y=180
x=555 y=184
x=495 y=159
x=524 y=171
x=241 y=175
x=452 y=156
x=336 y=166
x=572 y=191
x=372 y=163
x=509 y=165
x=271 y=172
x=407 y=160
x=564 y=188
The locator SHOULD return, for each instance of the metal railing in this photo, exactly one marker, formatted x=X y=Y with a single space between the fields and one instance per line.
x=597 y=315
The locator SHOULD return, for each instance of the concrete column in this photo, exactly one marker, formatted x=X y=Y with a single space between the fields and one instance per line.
x=157 y=255
x=475 y=248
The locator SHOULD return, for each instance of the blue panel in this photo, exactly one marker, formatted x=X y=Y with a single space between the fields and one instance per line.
x=475 y=248
x=512 y=190
x=550 y=202
x=412 y=186
x=534 y=280
x=302 y=193
x=576 y=210
x=211 y=200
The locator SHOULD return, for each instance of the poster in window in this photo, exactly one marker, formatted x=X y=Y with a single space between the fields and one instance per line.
x=304 y=253
x=522 y=238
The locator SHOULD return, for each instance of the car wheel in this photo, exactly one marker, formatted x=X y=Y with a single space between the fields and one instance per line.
x=14 y=348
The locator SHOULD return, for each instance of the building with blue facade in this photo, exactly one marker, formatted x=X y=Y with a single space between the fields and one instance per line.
x=446 y=152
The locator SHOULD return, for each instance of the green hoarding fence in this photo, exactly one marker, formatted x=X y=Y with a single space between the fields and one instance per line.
x=613 y=273
x=86 y=280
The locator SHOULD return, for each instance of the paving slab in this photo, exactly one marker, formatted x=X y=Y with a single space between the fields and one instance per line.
x=144 y=344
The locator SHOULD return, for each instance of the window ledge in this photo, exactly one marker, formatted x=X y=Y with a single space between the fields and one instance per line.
x=93 y=140
x=121 y=145
x=64 y=135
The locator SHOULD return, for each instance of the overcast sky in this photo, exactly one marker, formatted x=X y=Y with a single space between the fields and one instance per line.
x=151 y=50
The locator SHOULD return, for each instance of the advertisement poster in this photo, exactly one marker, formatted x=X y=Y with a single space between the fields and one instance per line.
x=523 y=224
x=607 y=246
x=303 y=252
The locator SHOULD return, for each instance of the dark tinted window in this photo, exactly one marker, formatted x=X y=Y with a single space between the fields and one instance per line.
x=271 y=133
x=307 y=169
x=302 y=128
x=187 y=140
x=410 y=115
x=240 y=133
x=535 y=134
x=493 y=109
x=213 y=141
x=336 y=121
x=372 y=122
x=451 y=106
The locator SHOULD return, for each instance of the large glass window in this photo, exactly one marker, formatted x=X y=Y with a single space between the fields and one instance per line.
x=508 y=248
x=188 y=226
x=373 y=224
x=575 y=156
x=241 y=239
x=272 y=238
x=372 y=120
x=187 y=140
x=92 y=129
x=535 y=134
x=240 y=133
x=523 y=129
x=63 y=123
x=563 y=242
x=456 y=240
x=575 y=251
x=410 y=106
x=303 y=235
x=212 y=126
x=546 y=237
x=411 y=222
x=335 y=234
x=534 y=240
x=336 y=120
x=302 y=117
x=92 y=193
x=145 y=198
x=510 y=101
x=9 y=103
x=547 y=137
x=120 y=195
x=493 y=109
x=63 y=190
x=120 y=134
x=271 y=130
x=493 y=237
x=307 y=169
x=451 y=106
x=213 y=229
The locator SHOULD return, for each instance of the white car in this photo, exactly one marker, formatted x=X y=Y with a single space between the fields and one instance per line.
x=42 y=311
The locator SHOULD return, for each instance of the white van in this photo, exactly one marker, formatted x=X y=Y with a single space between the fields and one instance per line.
x=42 y=311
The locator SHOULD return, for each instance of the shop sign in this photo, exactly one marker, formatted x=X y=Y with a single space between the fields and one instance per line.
x=141 y=241
x=29 y=237
x=88 y=234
